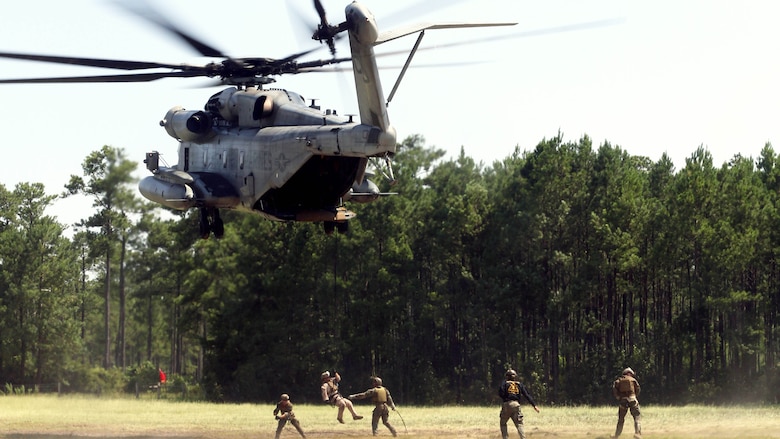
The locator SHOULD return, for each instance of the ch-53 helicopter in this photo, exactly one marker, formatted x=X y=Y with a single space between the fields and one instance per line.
x=264 y=150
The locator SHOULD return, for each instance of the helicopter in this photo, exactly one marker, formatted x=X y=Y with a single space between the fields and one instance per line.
x=264 y=150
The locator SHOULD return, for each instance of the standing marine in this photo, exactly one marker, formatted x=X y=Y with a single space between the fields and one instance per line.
x=626 y=390
x=284 y=413
x=381 y=398
x=331 y=395
x=509 y=392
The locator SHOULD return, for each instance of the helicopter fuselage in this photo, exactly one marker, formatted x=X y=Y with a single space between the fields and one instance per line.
x=267 y=152
x=259 y=150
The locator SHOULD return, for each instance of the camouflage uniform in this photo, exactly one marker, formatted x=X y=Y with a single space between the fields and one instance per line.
x=283 y=413
x=331 y=395
x=510 y=392
x=381 y=398
x=626 y=390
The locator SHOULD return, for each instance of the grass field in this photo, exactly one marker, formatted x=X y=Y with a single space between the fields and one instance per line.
x=52 y=417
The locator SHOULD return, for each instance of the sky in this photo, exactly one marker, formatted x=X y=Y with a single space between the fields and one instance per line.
x=654 y=77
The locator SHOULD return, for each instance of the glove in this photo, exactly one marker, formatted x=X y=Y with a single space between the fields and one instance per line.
x=276 y=417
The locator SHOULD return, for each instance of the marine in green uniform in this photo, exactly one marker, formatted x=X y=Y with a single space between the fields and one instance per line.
x=381 y=398
x=626 y=390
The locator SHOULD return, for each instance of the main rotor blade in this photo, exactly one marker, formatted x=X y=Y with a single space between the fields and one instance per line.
x=298 y=55
x=521 y=34
x=416 y=9
x=91 y=62
x=394 y=67
x=136 y=77
x=148 y=13
x=305 y=66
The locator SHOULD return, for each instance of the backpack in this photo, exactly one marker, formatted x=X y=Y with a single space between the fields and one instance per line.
x=624 y=385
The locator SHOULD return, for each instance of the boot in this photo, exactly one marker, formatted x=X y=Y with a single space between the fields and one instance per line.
x=619 y=428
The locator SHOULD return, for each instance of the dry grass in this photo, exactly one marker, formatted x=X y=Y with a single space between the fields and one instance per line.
x=24 y=417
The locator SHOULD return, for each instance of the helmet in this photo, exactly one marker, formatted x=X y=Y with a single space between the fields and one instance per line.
x=377 y=381
x=285 y=397
x=510 y=373
x=628 y=370
x=325 y=375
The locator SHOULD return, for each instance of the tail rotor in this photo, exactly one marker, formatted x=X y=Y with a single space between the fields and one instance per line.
x=325 y=31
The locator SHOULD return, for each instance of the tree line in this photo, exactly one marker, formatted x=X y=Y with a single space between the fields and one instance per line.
x=568 y=263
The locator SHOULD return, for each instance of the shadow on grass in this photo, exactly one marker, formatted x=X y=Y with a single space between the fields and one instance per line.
x=63 y=436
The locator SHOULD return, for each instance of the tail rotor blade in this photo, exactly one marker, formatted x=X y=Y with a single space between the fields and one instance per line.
x=325 y=32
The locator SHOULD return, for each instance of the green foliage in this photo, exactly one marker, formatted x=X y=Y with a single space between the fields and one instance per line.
x=181 y=388
x=702 y=391
x=142 y=375
x=98 y=381
x=11 y=389
x=567 y=262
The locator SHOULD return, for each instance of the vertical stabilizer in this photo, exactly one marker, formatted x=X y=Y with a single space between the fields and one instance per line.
x=371 y=100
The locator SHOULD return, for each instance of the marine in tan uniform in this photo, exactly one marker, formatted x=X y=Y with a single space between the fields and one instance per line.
x=331 y=395
x=284 y=413
x=510 y=392
x=381 y=398
x=626 y=390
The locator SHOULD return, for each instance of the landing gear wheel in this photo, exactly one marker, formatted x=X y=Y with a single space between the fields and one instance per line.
x=217 y=226
x=210 y=221
x=342 y=227
x=204 y=226
x=329 y=227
